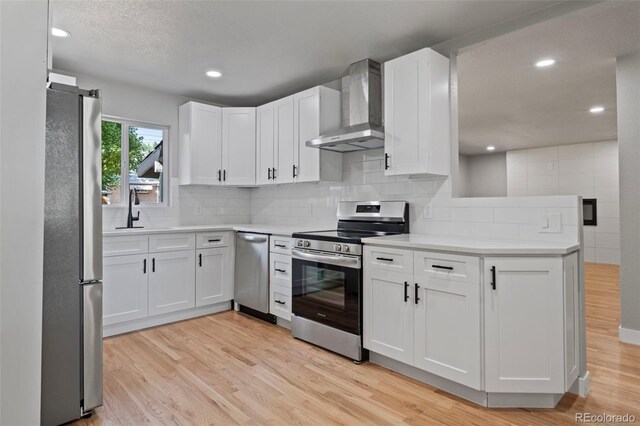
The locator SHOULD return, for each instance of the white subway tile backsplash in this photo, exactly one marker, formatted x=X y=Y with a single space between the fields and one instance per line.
x=590 y=254
x=605 y=149
x=608 y=255
x=542 y=168
x=542 y=154
x=576 y=166
x=570 y=152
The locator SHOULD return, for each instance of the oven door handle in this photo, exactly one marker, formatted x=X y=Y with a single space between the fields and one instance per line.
x=346 y=261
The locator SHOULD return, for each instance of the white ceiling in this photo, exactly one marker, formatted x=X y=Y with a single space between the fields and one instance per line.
x=504 y=100
x=264 y=49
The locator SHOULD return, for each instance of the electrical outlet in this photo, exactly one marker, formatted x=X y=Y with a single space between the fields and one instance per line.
x=428 y=212
x=551 y=223
x=198 y=210
x=309 y=210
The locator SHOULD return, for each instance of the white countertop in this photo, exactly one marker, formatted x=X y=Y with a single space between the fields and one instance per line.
x=472 y=246
x=286 y=230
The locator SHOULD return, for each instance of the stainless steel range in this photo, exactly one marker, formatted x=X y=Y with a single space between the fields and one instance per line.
x=327 y=275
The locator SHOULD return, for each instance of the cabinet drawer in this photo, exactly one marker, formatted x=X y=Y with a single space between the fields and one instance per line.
x=126 y=244
x=447 y=266
x=389 y=259
x=280 y=269
x=171 y=242
x=280 y=302
x=280 y=244
x=212 y=239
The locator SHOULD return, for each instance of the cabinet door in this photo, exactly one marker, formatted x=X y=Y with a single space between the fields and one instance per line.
x=306 y=127
x=125 y=288
x=213 y=276
x=239 y=146
x=172 y=281
x=388 y=315
x=416 y=110
x=265 y=146
x=524 y=323
x=285 y=140
x=448 y=329
x=201 y=134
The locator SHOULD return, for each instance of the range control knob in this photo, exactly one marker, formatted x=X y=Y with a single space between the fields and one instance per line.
x=300 y=243
x=337 y=247
x=307 y=243
x=345 y=248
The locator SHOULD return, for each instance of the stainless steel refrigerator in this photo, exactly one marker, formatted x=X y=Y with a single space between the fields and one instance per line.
x=72 y=287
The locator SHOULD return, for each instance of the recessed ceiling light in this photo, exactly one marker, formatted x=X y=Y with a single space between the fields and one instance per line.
x=59 y=32
x=596 y=109
x=545 y=63
x=214 y=74
x=491 y=148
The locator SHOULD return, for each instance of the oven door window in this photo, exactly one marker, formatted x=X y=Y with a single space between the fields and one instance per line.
x=328 y=294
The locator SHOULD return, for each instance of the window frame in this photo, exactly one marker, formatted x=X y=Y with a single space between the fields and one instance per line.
x=125 y=123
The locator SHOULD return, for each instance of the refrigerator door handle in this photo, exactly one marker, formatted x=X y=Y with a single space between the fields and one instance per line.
x=91 y=189
x=92 y=345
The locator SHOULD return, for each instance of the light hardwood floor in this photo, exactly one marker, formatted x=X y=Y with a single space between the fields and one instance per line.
x=230 y=369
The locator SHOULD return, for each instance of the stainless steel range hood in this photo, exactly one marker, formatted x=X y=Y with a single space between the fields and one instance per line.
x=361 y=111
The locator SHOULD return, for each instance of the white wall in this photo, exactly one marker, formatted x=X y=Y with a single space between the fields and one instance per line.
x=628 y=97
x=315 y=204
x=483 y=175
x=464 y=177
x=188 y=205
x=23 y=53
x=589 y=170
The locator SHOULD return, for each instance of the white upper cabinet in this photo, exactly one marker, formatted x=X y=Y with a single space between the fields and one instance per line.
x=200 y=140
x=315 y=112
x=265 y=144
x=283 y=172
x=239 y=146
x=274 y=144
x=217 y=145
x=417 y=114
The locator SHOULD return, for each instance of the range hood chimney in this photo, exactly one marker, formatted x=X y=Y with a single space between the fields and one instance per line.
x=361 y=111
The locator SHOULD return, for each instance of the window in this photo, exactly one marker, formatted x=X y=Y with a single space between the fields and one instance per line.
x=132 y=159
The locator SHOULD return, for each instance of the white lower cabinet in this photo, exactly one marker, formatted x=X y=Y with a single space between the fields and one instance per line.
x=524 y=331
x=280 y=277
x=447 y=330
x=125 y=288
x=144 y=277
x=388 y=315
x=435 y=319
x=171 y=281
x=427 y=322
x=213 y=276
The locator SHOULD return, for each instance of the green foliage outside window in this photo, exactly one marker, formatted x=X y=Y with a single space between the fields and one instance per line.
x=112 y=153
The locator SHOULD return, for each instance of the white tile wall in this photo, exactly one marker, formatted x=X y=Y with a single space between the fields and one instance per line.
x=589 y=170
x=495 y=218
x=315 y=204
x=189 y=206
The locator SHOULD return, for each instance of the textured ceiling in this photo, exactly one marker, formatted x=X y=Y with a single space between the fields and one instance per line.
x=265 y=49
x=504 y=100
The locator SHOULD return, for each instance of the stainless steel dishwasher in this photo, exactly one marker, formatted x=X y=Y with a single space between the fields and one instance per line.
x=251 y=287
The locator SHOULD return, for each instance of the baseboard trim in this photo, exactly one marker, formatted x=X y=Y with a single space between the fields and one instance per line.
x=139 y=324
x=464 y=392
x=584 y=385
x=627 y=335
x=524 y=400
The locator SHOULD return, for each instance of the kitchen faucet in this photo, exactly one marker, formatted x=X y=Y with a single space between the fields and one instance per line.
x=133 y=195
